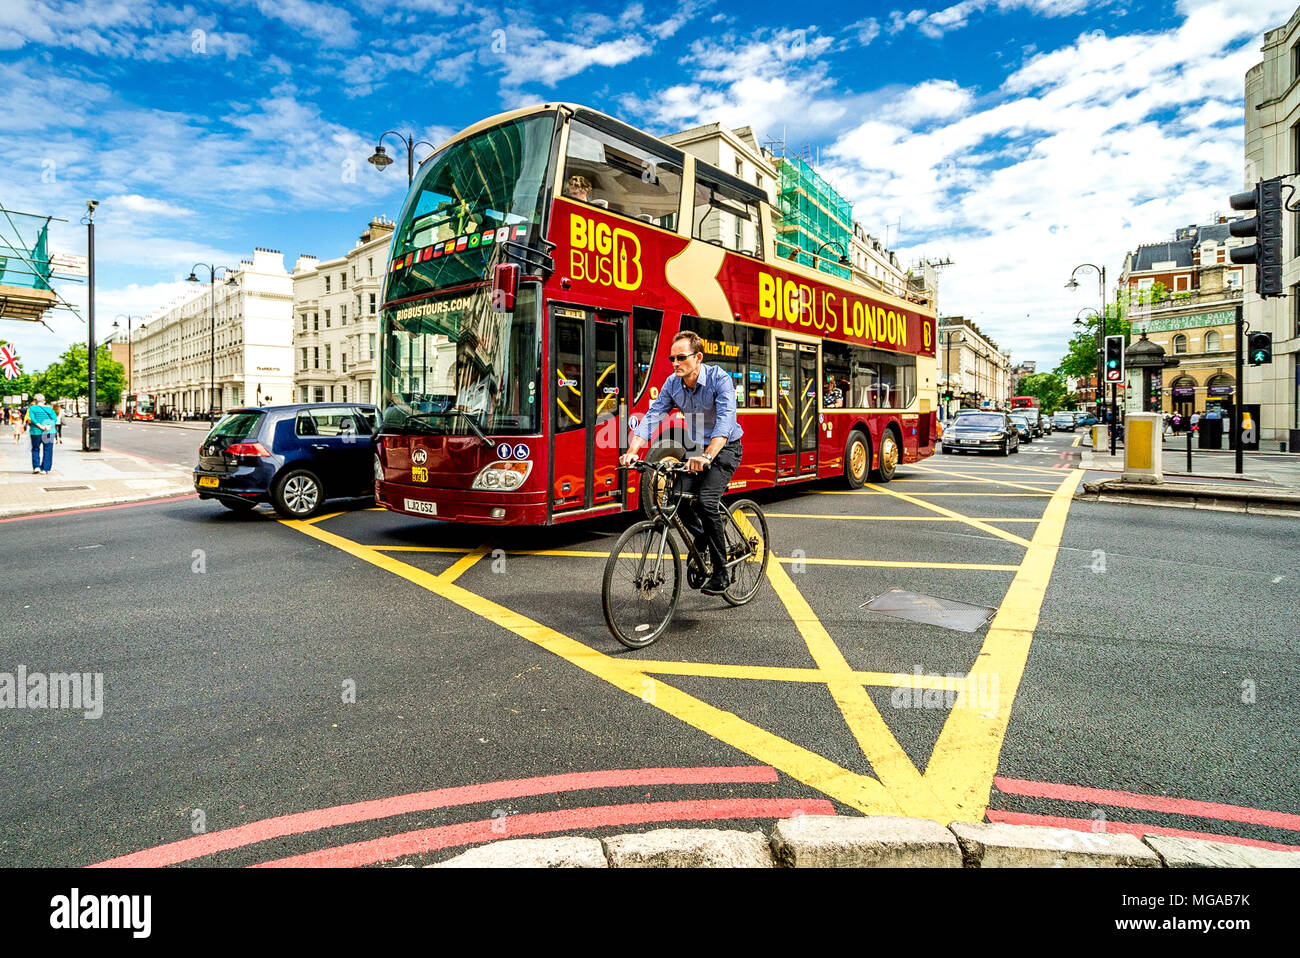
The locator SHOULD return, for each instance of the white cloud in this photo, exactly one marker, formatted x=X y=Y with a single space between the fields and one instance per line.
x=146 y=206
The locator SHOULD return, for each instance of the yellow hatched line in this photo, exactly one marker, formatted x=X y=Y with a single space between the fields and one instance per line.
x=876 y=491
x=862 y=792
x=891 y=564
x=965 y=757
x=996 y=470
x=810 y=515
x=889 y=761
x=974 y=478
x=387 y=548
x=777 y=673
x=464 y=564
x=974 y=523
x=965 y=477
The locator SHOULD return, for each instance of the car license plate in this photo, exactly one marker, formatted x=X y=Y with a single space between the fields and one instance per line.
x=209 y=482
x=420 y=506
x=970 y=442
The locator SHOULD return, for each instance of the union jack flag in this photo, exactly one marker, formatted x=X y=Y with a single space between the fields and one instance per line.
x=9 y=362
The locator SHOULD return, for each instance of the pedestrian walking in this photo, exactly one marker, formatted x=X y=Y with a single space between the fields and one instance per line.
x=16 y=421
x=42 y=425
x=1196 y=419
x=58 y=423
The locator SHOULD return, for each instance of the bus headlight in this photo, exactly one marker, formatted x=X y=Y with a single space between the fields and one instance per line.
x=502 y=476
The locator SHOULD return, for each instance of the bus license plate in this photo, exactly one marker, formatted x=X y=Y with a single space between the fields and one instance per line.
x=420 y=506
x=209 y=482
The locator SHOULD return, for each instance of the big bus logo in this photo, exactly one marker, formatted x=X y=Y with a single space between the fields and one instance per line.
x=603 y=254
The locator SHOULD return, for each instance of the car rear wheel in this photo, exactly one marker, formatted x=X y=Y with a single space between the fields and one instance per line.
x=298 y=494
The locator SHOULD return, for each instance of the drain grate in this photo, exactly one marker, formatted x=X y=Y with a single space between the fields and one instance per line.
x=931 y=610
x=63 y=488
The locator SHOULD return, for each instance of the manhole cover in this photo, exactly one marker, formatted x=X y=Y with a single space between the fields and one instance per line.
x=64 y=488
x=931 y=610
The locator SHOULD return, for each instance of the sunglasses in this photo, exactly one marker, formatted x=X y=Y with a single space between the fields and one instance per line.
x=682 y=358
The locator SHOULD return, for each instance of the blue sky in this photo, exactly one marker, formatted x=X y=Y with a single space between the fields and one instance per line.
x=1017 y=137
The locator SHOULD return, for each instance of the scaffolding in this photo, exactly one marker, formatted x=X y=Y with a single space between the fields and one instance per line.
x=812 y=217
x=25 y=291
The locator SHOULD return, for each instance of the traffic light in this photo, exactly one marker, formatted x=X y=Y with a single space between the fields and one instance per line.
x=1114 y=359
x=1261 y=349
x=947 y=397
x=1265 y=227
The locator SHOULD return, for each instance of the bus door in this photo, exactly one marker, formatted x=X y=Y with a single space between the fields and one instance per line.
x=589 y=401
x=796 y=409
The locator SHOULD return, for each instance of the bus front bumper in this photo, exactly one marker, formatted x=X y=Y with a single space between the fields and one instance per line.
x=463 y=505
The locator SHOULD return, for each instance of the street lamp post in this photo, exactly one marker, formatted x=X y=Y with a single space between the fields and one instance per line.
x=380 y=158
x=844 y=256
x=1093 y=318
x=212 y=286
x=1101 y=327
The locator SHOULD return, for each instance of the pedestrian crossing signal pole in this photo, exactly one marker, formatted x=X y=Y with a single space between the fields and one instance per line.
x=1114 y=376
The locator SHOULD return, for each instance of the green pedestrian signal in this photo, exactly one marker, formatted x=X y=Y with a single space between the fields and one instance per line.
x=1260 y=348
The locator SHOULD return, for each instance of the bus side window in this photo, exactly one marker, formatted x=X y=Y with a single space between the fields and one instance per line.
x=646 y=324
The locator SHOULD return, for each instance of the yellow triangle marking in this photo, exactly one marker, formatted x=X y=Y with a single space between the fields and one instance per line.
x=965 y=757
x=976 y=523
x=862 y=792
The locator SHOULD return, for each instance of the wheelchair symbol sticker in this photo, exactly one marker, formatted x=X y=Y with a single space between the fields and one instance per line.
x=521 y=451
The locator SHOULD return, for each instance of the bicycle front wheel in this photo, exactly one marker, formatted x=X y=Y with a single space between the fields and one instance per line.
x=643 y=579
x=747 y=576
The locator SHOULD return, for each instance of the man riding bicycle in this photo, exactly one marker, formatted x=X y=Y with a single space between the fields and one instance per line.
x=706 y=395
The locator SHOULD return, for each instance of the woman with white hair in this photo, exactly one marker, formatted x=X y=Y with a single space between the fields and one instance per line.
x=42 y=422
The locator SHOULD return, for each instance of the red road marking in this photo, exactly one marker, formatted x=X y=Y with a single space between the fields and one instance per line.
x=120 y=505
x=1113 y=827
x=300 y=822
x=541 y=823
x=1152 y=803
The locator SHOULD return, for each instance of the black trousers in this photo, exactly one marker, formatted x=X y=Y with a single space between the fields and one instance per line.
x=703 y=522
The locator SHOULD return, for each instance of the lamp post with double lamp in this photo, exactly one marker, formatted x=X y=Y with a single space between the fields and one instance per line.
x=1101 y=326
x=844 y=256
x=1088 y=317
x=380 y=158
x=212 y=286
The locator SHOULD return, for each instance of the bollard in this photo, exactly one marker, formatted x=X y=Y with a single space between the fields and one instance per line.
x=1143 y=448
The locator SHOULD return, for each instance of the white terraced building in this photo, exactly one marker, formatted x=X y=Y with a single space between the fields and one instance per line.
x=250 y=342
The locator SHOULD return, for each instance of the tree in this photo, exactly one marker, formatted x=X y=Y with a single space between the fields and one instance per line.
x=69 y=377
x=1080 y=362
x=1048 y=387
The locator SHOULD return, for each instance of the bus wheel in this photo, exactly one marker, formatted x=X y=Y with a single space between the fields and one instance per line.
x=654 y=485
x=888 y=456
x=857 y=459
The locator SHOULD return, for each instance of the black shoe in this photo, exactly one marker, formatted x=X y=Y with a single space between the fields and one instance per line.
x=716 y=584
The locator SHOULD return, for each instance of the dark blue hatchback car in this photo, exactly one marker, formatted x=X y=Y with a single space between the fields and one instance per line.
x=294 y=457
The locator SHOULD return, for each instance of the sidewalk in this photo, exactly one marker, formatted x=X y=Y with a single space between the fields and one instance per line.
x=80 y=479
x=1274 y=468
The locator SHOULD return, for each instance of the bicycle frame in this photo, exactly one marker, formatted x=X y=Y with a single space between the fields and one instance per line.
x=665 y=518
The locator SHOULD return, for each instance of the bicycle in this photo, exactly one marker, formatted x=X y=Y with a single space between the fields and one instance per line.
x=643 y=575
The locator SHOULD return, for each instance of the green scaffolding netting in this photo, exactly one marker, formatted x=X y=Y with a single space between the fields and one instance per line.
x=22 y=264
x=812 y=216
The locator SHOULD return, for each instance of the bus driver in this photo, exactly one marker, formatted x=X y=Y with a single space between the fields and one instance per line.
x=706 y=395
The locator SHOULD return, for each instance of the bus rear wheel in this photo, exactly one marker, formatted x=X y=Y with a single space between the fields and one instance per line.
x=857 y=459
x=889 y=456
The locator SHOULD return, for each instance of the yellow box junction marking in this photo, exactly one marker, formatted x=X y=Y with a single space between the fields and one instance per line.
x=975 y=523
x=957 y=781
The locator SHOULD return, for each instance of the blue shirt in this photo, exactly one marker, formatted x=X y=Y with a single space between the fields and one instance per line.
x=709 y=407
x=41 y=417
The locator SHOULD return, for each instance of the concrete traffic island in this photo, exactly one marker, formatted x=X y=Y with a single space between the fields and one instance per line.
x=1217 y=496
x=830 y=841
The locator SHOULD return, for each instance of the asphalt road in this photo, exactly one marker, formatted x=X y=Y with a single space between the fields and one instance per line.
x=255 y=669
x=172 y=444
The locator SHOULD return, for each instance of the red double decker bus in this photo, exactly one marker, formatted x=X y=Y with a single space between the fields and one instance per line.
x=138 y=406
x=543 y=261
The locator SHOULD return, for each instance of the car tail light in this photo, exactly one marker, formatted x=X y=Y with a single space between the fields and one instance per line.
x=248 y=449
x=503 y=476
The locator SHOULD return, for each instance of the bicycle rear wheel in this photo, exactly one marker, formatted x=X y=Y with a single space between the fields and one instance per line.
x=747 y=576
x=643 y=579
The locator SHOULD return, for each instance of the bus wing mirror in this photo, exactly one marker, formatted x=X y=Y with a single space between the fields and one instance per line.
x=505 y=283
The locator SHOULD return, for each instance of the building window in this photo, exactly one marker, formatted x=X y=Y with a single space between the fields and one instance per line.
x=320 y=393
x=758 y=180
x=365 y=390
x=327 y=319
x=343 y=315
x=371 y=353
x=372 y=304
x=370 y=265
x=1211 y=341
x=343 y=280
x=327 y=284
x=740 y=168
x=315 y=322
x=304 y=360
x=1180 y=343
x=327 y=356
x=304 y=322
x=1184 y=283
x=622 y=177
x=1234 y=279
